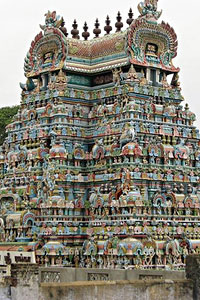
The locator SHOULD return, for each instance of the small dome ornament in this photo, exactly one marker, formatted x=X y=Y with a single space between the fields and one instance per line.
x=148 y=10
x=85 y=34
x=130 y=17
x=97 y=30
x=108 y=27
x=119 y=23
x=75 y=31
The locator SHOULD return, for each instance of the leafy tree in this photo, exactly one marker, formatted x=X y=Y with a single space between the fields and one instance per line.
x=6 y=115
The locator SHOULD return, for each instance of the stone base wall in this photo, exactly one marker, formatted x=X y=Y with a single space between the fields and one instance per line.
x=28 y=282
x=57 y=274
x=193 y=273
x=25 y=292
x=5 y=292
x=118 y=290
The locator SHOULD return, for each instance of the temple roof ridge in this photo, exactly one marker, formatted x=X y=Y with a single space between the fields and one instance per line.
x=145 y=42
x=101 y=38
x=147 y=9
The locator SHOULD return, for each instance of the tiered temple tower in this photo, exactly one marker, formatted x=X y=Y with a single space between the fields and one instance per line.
x=101 y=164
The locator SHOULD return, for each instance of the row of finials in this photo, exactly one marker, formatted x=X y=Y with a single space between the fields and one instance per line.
x=97 y=31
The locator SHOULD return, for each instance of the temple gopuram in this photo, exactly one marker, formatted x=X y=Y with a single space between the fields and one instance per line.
x=100 y=167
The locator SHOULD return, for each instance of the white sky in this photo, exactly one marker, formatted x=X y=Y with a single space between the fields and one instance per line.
x=20 y=21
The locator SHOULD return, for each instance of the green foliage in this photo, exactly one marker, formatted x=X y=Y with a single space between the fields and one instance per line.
x=6 y=115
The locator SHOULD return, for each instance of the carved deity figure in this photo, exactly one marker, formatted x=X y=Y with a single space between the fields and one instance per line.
x=132 y=74
x=48 y=58
x=116 y=76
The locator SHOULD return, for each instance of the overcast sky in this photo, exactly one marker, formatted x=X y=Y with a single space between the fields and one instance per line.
x=20 y=21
